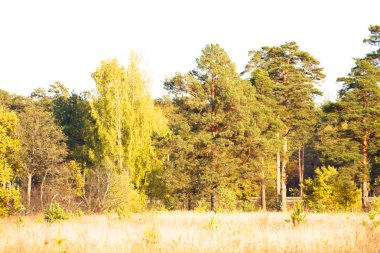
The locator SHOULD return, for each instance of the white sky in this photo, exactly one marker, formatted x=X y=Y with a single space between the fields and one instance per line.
x=46 y=41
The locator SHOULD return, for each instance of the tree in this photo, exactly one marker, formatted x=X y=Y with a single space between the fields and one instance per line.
x=292 y=75
x=359 y=102
x=126 y=120
x=210 y=107
x=10 y=201
x=42 y=147
x=374 y=40
x=73 y=113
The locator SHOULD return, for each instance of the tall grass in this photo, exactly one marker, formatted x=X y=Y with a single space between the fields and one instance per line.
x=191 y=232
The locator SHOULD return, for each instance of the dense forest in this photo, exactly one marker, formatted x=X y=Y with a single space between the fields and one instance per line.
x=218 y=140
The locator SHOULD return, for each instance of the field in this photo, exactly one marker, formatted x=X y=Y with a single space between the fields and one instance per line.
x=191 y=232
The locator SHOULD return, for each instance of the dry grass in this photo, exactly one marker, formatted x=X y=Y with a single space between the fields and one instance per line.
x=191 y=232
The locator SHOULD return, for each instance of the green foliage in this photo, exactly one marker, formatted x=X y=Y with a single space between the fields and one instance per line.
x=55 y=213
x=227 y=200
x=297 y=214
x=76 y=178
x=10 y=201
x=20 y=221
x=247 y=206
x=42 y=148
x=202 y=206
x=214 y=124
x=123 y=198
x=126 y=119
x=211 y=224
x=152 y=235
x=374 y=215
x=331 y=191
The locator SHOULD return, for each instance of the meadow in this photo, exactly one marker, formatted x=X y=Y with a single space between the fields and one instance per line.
x=191 y=232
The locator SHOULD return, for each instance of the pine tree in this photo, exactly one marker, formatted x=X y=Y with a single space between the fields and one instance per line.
x=292 y=75
x=212 y=103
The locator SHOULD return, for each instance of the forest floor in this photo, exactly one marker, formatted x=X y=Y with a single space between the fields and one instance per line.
x=191 y=232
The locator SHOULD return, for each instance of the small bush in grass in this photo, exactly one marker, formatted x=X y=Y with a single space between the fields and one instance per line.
x=374 y=214
x=202 y=206
x=212 y=224
x=152 y=235
x=55 y=213
x=297 y=215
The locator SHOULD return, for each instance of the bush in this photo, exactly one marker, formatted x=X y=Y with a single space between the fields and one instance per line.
x=10 y=199
x=10 y=202
x=202 y=206
x=374 y=214
x=326 y=193
x=227 y=200
x=123 y=199
x=297 y=215
x=55 y=213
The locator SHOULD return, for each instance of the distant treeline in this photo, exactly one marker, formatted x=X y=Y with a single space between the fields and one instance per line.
x=215 y=141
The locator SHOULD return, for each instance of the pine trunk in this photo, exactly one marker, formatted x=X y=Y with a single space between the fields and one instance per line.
x=301 y=164
x=365 y=183
x=212 y=202
x=263 y=196
x=278 y=177
x=283 y=176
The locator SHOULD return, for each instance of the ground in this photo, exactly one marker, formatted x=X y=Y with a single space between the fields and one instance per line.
x=191 y=232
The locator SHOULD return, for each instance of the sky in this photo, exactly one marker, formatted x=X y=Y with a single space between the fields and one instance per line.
x=44 y=41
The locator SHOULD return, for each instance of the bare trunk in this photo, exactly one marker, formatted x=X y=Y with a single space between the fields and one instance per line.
x=30 y=175
x=302 y=168
x=212 y=202
x=365 y=200
x=365 y=183
x=120 y=144
x=263 y=196
x=301 y=151
x=278 y=177
x=283 y=175
x=42 y=190
x=299 y=168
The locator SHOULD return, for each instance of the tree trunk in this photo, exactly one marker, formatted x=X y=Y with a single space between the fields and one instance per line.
x=263 y=196
x=301 y=162
x=212 y=202
x=278 y=176
x=42 y=190
x=30 y=175
x=365 y=183
x=302 y=167
x=299 y=168
x=119 y=144
x=283 y=175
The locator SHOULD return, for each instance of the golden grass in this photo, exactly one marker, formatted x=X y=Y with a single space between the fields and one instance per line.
x=191 y=232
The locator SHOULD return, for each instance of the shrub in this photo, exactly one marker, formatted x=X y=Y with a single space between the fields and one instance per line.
x=123 y=198
x=10 y=199
x=326 y=193
x=10 y=202
x=152 y=235
x=297 y=215
x=226 y=200
x=374 y=214
x=55 y=213
x=202 y=206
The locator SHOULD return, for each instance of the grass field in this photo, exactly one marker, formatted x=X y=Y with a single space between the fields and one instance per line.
x=191 y=232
